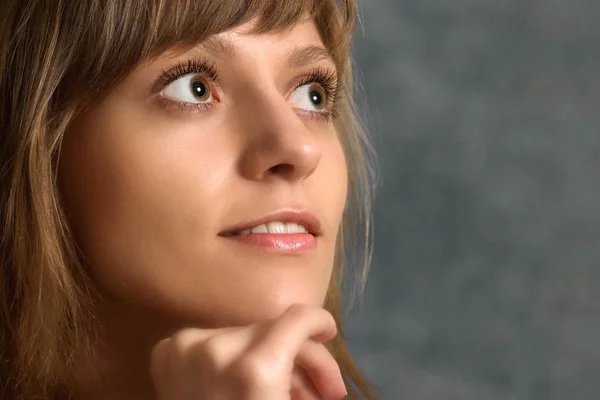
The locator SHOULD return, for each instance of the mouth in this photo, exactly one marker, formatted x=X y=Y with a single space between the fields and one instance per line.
x=274 y=227
x=287 y=231
x=281 y=223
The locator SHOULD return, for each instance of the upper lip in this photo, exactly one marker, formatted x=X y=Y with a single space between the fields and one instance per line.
x=304 y=218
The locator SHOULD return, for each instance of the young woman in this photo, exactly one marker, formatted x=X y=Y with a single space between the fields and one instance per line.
x=179 y=182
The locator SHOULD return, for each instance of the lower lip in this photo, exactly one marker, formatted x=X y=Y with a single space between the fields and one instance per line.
x=281 y=242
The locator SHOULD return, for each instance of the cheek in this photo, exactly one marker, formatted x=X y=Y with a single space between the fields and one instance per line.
x=135 y=198
x=333 y=185
x=329 y=189
x=146 y=214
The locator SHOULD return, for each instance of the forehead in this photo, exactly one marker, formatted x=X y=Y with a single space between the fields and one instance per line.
x=288 y=41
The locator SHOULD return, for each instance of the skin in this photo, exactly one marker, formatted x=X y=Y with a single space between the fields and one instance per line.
x=148 y=187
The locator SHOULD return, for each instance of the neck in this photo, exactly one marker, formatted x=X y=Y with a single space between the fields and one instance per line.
x=119 y=366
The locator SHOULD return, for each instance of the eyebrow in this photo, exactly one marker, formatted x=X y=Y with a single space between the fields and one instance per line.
x=218 y=47
x=298 y=57
x=302 y=56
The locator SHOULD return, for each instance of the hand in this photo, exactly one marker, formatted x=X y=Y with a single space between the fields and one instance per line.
x=282 y=359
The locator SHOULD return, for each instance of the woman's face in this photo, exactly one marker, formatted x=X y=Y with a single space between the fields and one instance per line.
x=161 y=176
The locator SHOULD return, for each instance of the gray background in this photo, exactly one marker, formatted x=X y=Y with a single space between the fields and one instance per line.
x=486 y=277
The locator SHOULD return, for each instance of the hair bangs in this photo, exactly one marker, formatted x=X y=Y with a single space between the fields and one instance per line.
x=189 y=22
x=121 y=34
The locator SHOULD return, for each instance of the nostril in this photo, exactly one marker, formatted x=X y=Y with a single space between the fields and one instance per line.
x=282 y=169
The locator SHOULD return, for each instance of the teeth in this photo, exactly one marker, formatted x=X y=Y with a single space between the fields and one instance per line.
x=292 y=228
x=260 y=229
x=275 y=227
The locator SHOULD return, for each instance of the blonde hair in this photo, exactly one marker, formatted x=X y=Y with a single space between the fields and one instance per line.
x=58 y=57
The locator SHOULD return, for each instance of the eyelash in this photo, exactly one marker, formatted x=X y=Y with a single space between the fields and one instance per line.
x=328 y=80
x=193 y=66
x=325 y=77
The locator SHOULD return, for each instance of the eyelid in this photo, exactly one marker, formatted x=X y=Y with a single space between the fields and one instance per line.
x=194 y=65
x=326 y=77
x=184 y=107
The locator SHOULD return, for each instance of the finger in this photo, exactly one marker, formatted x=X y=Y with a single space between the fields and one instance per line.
x=192 y=352
x=209 y=351
x=323 y=370
x=293 y=328
x=303 y=387
x=283 y=338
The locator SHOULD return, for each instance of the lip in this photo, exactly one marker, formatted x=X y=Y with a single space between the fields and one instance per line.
x=304 y=218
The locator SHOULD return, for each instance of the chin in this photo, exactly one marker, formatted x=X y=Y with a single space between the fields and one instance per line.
x=267 y=305
x=277 y=304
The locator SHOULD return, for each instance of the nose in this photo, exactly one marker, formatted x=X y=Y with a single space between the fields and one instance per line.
x=278 y=143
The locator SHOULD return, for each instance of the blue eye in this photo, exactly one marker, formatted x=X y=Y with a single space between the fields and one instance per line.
x=310 y=97
x=189 y=89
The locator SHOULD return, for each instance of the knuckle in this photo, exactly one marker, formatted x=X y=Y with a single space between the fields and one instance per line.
x=330 y=319
x=254 y=370
x=160 y=348
x=180 y=343
x=190 y=347
x=191 y=350
x=298 y=311
x=208 y=348
x=326 y=315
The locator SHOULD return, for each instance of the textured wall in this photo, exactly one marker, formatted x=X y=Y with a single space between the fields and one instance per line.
x=486 y=278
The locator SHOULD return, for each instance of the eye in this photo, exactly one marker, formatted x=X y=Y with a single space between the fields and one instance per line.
x=189 y=89
x=310 y=97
